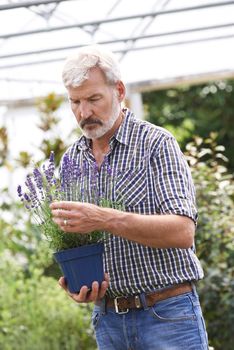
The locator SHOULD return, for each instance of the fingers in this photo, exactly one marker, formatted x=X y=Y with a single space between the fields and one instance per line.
x=104 y=286
x=82 y=296
x=70 y=226
x=77 y=216
x=62 y=212
x=79 y=297
x=70 y=209
x=63 y=223
x=65 y=214
x=66 y=219
x=102 y=290
x=85 y=295
x=62 y=283
x=66 y=205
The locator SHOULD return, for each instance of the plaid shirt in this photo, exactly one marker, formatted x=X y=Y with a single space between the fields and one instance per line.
x=146 y=172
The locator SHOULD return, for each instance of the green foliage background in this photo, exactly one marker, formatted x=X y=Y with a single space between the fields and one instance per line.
x=35 y=314
x=214 y=237
x=195 y=110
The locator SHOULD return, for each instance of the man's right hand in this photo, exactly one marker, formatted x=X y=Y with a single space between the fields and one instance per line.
x=85 y=295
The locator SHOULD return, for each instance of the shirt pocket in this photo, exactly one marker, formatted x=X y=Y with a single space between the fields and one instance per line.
x=130 y=188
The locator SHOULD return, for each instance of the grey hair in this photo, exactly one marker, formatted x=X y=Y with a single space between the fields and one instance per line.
x=76 y=68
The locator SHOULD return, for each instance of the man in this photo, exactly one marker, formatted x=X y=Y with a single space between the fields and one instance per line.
x=148 y=299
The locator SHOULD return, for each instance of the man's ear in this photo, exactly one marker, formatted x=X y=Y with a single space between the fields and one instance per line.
x=121 y=90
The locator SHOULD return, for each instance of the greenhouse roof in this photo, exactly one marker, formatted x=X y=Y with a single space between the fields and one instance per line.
x=157 y=42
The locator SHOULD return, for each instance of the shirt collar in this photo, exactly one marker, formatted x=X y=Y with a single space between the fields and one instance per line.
x=122 y=135
x=83 y=144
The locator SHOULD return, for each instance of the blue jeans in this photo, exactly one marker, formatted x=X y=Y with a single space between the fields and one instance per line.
x=172 y=324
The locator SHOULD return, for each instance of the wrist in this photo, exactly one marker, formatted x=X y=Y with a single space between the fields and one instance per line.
x=113 y=220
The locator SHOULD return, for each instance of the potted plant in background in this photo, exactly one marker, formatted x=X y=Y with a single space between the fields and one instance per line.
x=80 y=256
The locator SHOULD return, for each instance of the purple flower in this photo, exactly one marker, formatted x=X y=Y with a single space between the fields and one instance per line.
x=19 y=191
x=78 y=181
x=31 y=187
x=69 y=175
x=38 y=178
x=49 y=173
x=51 y=157
x=65 y=172
x=94 y=184
x=26 y=197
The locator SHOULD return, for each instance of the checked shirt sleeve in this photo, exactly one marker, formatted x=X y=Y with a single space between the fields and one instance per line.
x=173 y=185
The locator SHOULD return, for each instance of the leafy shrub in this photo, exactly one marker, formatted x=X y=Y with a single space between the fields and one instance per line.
x=196 y=109
x=35 y=314
x=214 y=237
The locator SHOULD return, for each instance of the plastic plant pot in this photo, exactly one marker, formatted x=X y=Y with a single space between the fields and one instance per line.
x=81 y=266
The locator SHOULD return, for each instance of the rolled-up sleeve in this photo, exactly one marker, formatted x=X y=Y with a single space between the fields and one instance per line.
x=173 y=184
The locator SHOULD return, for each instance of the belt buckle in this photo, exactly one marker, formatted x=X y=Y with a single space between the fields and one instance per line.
x=125 y=311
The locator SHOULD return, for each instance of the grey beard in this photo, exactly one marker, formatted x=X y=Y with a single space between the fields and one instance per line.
x=104 y=127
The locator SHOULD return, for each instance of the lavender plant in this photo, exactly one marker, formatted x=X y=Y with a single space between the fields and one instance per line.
x=43 y=187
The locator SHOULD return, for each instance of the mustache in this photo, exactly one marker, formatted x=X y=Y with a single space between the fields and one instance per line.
x=90 y=121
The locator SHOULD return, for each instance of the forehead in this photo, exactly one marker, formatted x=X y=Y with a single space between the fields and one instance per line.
x=95 y=84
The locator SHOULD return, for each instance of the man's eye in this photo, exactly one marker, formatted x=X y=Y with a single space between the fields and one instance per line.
x=93 y=99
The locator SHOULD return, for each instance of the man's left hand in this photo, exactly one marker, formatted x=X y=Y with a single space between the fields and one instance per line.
x=77 y=216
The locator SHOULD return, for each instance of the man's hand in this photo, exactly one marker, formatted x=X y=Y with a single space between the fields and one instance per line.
x=86 y=296
x=77 y=216
x=156 y=231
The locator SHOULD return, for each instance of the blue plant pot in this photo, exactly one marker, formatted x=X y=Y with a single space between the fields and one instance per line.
x=81 y=266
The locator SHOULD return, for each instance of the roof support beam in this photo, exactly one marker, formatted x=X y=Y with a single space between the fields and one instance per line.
x=118 y=19
x=115 y=41
x=28 y=4
x=176 y=43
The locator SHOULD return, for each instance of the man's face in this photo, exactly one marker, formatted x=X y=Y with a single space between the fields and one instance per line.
x=95 y=105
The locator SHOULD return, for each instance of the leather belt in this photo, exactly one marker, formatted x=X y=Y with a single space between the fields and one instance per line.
x=123 y=304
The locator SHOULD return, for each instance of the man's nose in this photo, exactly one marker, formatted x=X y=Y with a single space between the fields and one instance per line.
x=85 y=110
